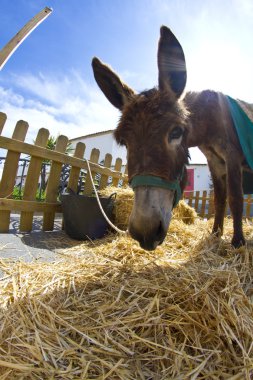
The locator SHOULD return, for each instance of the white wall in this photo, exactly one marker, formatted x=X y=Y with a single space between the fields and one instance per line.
x=102 y=142
x=202 y=177
x=106 y=144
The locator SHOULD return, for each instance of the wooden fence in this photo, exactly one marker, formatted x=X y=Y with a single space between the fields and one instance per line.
x=203 y=203
x=38 y=152
x=15 y=146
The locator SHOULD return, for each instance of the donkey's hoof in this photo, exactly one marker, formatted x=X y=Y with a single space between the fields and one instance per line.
x=238 y=242
x=217 y=233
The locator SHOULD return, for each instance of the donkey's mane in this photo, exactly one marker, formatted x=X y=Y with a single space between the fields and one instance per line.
x=149 y=92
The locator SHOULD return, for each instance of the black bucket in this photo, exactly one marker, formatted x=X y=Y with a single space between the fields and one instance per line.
x=83 y=218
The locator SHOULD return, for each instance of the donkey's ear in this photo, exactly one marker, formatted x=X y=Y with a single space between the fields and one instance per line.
x=171 y=63
x=117 y=92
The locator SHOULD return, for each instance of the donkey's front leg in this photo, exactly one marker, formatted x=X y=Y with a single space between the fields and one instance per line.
x=218 y=172
x=235 y=199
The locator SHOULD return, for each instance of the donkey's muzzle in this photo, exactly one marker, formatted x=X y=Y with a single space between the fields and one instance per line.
x=151 y=237
x=151 y=214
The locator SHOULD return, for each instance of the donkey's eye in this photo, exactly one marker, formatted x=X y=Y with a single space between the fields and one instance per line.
x=175 y=133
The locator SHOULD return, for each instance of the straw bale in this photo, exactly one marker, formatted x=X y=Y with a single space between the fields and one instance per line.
x=122 y=206
x=124 y=203
x=110 y=310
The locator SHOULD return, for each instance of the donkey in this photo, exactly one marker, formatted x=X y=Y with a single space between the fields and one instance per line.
x=157 y=127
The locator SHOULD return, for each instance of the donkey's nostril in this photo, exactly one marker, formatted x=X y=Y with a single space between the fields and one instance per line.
x=160 y=233
x=160 y=229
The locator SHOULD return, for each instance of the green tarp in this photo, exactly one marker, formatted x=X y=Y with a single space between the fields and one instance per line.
x=244 y=128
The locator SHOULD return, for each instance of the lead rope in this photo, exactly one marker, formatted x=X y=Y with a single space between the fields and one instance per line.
x=100 y=206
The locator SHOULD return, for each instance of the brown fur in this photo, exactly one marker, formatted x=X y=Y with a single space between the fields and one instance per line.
x=213 y=132
x=144 y=129
x=145 y=126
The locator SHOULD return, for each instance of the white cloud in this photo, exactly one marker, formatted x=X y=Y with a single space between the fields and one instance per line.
x=246 y=6
x=64 y=105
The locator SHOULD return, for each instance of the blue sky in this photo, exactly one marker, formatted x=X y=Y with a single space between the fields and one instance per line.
x=48 y=81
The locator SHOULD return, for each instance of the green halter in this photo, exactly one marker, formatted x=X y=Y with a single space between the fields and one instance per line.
x=149 y=180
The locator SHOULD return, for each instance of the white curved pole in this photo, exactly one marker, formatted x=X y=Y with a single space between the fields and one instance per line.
x=7 y=51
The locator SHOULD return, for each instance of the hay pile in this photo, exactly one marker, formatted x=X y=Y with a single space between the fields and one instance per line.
x=122 y=206
x=185 y=213
x=110 y=310
x=124 y=203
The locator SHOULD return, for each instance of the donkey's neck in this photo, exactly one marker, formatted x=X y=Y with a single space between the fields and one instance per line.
x=193 y=138
x=208 y=112
x=191 y=102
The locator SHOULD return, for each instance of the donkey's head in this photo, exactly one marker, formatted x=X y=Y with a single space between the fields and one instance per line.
x=153 y=127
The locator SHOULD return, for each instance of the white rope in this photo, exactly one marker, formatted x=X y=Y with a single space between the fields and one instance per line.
x=100 y=206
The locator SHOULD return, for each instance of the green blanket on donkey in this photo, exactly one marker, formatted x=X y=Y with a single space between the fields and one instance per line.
x=244 y=129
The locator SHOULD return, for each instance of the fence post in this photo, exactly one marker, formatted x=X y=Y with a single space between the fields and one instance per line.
x=53 y=183
x=117 y=167
x=9 y=173
x=211 y=205
x=190 y=198
x=248 y=205
x=107 y=164
x=32 y=180
x=125 y=180
x=196 y=205
x=75 y=172
x=3 y=118
x=94 y=157
x=203 y=204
